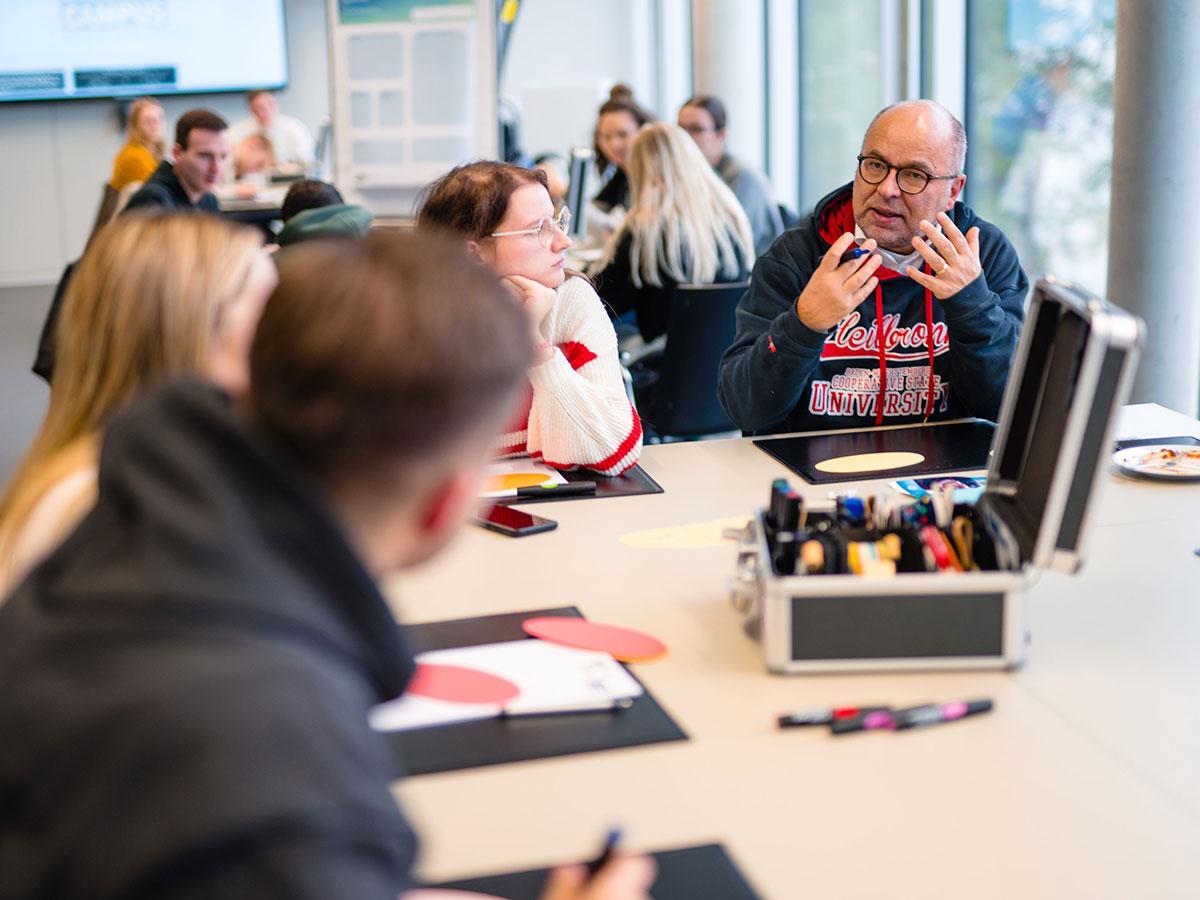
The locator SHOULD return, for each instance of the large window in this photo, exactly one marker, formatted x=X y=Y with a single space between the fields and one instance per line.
x=1039 y=109
x=845 y=49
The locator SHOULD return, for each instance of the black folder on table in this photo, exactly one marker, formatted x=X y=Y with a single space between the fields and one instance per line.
x=628 y=484
x=690 y=873
x=949 y=447
x=486 y=742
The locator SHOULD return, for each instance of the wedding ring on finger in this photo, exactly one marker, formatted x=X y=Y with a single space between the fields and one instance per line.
x=943 y=269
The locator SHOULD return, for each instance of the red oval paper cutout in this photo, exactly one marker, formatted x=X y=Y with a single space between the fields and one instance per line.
x=458 y=684
x=624 y=644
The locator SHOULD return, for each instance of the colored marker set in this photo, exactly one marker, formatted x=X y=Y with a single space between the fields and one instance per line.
x=884 y=534
x=851 y=719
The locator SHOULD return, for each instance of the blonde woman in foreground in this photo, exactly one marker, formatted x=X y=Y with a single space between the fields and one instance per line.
x=156 y=297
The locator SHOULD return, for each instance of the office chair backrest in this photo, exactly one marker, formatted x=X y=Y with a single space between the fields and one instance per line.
x=104 y=213
x=700 y=329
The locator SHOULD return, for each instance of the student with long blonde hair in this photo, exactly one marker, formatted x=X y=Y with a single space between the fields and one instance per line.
x=155 y=297
x=684 y=226
x=145 y=144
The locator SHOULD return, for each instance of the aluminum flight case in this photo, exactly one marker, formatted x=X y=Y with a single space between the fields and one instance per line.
x=1070 y=376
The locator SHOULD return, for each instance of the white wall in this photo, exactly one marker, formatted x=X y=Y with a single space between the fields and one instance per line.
x=563 y=57
x=57 y=156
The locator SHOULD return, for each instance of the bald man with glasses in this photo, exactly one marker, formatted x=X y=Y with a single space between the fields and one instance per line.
x=892 y=303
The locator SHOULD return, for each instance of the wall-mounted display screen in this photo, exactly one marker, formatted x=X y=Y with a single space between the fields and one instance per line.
x=75 y=49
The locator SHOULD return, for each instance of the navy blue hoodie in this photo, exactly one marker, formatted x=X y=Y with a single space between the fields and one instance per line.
x=184 y=683
x=780 y=375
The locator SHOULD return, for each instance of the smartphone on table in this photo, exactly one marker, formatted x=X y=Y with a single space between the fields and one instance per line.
x=513 y=522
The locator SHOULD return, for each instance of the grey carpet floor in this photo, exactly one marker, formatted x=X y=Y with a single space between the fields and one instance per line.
x=22 y=394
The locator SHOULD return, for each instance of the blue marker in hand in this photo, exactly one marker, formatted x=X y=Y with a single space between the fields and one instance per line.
x=610 y=845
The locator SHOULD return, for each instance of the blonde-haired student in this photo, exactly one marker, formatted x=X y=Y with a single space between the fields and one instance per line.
x=157 y=296
x=684 y=226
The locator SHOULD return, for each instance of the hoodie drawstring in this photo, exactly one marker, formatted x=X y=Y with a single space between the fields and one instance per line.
x=881 y=341
x=929 y=343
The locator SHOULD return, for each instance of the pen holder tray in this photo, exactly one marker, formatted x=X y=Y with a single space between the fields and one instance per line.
x=910 y=620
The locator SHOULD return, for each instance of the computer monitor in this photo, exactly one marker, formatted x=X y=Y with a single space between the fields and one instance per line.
x=579 y=175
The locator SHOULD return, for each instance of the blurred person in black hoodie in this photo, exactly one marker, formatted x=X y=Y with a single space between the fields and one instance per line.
x=185 y=682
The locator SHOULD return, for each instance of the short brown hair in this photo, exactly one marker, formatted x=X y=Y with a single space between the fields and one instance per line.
x=308 y=193
x=203 y=119
x=711 y=105
x=395 y=348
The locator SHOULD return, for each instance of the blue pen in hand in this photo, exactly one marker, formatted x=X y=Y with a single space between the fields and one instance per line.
x=610 y=845
x=852 y=254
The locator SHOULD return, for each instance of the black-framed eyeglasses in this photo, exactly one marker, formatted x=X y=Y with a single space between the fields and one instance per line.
x=912 y=181
x=544 y=229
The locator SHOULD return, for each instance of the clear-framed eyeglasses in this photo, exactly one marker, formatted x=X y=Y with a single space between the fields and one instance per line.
x=544 y=229
x=912 y=181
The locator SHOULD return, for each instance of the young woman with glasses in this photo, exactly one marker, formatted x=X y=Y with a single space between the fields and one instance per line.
x=575 y=412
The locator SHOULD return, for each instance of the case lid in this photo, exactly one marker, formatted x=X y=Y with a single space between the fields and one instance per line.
x=1071 y=374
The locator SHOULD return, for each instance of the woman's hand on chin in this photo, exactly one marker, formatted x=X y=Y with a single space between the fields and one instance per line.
x=537 y=301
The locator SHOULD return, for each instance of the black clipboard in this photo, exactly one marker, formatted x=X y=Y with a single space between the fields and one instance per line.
x=629 y=483
x=704 y=872
x=949 y=447
x=487 y=742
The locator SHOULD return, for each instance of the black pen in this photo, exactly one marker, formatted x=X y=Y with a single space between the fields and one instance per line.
x=852 y=254
x=610 y=845
x=567 y=489
x=537 y=712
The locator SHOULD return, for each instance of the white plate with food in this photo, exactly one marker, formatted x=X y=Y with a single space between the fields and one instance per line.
x=1168 y=462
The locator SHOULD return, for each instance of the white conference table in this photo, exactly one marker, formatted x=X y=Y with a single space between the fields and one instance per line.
x=1084 y=781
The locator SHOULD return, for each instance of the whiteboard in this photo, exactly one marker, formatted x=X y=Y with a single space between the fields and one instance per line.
x=414 y=94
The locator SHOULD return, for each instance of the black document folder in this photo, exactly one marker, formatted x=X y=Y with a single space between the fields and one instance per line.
x=487 y=742
x=691 y=873
x=952 y=447
x=628 y=484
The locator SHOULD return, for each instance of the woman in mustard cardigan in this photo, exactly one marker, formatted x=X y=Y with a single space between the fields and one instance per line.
x=144 y=148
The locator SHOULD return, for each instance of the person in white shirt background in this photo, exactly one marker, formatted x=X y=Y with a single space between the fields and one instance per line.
x=290 y=138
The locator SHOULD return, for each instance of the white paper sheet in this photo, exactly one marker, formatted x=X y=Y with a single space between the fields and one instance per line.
x=550 y=676
x=519 y=466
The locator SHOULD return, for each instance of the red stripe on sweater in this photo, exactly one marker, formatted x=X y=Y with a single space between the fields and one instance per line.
x=577 y=354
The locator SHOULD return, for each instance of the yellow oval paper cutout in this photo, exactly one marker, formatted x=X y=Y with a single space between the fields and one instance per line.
x=515 y=480
x=692 y=536
x=868 y=462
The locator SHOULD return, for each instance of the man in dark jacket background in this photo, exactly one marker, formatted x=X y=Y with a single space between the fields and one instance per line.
x=201 y=152
x=921 y=326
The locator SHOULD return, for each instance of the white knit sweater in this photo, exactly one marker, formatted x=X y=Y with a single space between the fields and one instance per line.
x=576 y=412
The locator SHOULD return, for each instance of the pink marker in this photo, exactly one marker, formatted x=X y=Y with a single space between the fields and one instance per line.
x=936 y=713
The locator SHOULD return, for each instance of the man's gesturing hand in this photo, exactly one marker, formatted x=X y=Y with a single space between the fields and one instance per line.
x=834 y=290
x=953 y=257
